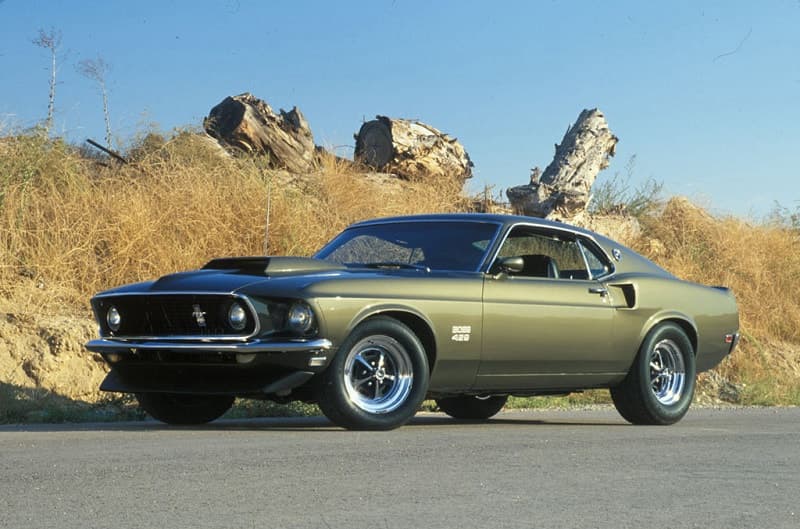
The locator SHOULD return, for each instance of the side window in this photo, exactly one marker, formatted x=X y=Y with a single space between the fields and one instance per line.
x=597 y=265
x=548 y=255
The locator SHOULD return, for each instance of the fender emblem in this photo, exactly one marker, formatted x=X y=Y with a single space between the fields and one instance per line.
x=461 y=333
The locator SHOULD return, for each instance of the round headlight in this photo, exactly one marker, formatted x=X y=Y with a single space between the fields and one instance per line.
x=113 y=319
x=301 y=319
x=237 y=317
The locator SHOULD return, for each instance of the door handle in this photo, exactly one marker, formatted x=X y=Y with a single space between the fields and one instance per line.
x=598 y=290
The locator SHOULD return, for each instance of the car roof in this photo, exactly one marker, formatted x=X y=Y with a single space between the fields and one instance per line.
x=632 y=261
x=478 y=217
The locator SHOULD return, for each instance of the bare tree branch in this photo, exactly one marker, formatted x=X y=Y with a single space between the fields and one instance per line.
x=50 y=40
x=97 y=70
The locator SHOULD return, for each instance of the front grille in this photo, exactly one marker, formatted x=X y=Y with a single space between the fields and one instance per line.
x=173 y=315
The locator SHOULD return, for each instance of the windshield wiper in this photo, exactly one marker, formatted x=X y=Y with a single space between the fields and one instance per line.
x=396 y=265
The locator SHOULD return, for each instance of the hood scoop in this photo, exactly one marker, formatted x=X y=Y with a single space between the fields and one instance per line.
x=272 y=266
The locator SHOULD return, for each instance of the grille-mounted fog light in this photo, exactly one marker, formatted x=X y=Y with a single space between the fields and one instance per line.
x=237 y=317
x=245 y=358
x=301 y=318
x=113 y=358
x=114 y=319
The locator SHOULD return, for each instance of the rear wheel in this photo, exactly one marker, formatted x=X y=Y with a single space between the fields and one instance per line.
x=378 y=379
x=177 y=408
x=471 y=407
x=660 y=385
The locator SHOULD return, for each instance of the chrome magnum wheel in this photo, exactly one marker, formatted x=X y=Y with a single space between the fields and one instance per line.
x=378 y=374
x=378 y=379
x=660 y=384
x=667 y=372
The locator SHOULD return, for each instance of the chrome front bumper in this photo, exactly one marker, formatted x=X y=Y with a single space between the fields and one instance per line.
x=253 y=367
x=105 y=345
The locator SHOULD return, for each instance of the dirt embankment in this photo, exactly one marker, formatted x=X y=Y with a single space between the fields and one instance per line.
x=46 y=352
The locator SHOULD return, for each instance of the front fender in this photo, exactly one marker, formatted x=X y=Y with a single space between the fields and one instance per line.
x=382 y=308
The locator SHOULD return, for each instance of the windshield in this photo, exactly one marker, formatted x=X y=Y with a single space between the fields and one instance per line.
x=438 y=245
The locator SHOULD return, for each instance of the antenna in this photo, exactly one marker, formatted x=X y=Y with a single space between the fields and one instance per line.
x=266 y=224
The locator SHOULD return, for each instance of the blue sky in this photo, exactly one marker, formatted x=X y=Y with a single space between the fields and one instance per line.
x=706 y=95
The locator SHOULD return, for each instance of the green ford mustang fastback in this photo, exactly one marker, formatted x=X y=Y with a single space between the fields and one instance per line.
x=466 y=309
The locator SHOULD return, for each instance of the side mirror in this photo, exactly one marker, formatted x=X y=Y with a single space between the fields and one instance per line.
x=511 y=264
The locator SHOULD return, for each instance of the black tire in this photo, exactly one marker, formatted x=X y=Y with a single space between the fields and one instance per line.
x=176 y=408
x=660 y=385
x=378 y=378
x=470 y=407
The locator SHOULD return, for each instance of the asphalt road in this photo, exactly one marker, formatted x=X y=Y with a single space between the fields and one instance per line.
x=547 y=469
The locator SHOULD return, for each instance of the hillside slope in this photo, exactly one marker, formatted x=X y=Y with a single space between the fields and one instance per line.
x=70 y=226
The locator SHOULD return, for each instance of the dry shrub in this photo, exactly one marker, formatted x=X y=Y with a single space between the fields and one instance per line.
x=761 y=263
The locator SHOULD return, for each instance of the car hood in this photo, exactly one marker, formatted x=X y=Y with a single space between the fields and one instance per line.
x=233 y=274
x=285 y=277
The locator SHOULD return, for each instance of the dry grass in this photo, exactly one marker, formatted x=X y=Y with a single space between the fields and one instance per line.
x=68 y=221
x=761 y=263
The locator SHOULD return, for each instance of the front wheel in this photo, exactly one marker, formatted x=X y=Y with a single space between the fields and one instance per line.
x=470 y=407
x=660 y=385
x=177 y=408
x=378 y=378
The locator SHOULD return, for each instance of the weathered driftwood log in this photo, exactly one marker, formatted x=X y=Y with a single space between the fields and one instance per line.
x=565 y=187
x=411 y=149
x=248 y=123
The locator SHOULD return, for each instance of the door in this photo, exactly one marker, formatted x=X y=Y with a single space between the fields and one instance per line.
x=548 y=325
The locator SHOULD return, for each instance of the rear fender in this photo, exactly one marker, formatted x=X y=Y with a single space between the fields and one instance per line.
x=684 y=320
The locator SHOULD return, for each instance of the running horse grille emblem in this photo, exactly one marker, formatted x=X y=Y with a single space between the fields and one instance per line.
x=199 y=316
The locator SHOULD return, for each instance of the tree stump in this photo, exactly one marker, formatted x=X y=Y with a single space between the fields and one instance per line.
x=564 y=188
x=249 y=124
x=411 y=150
